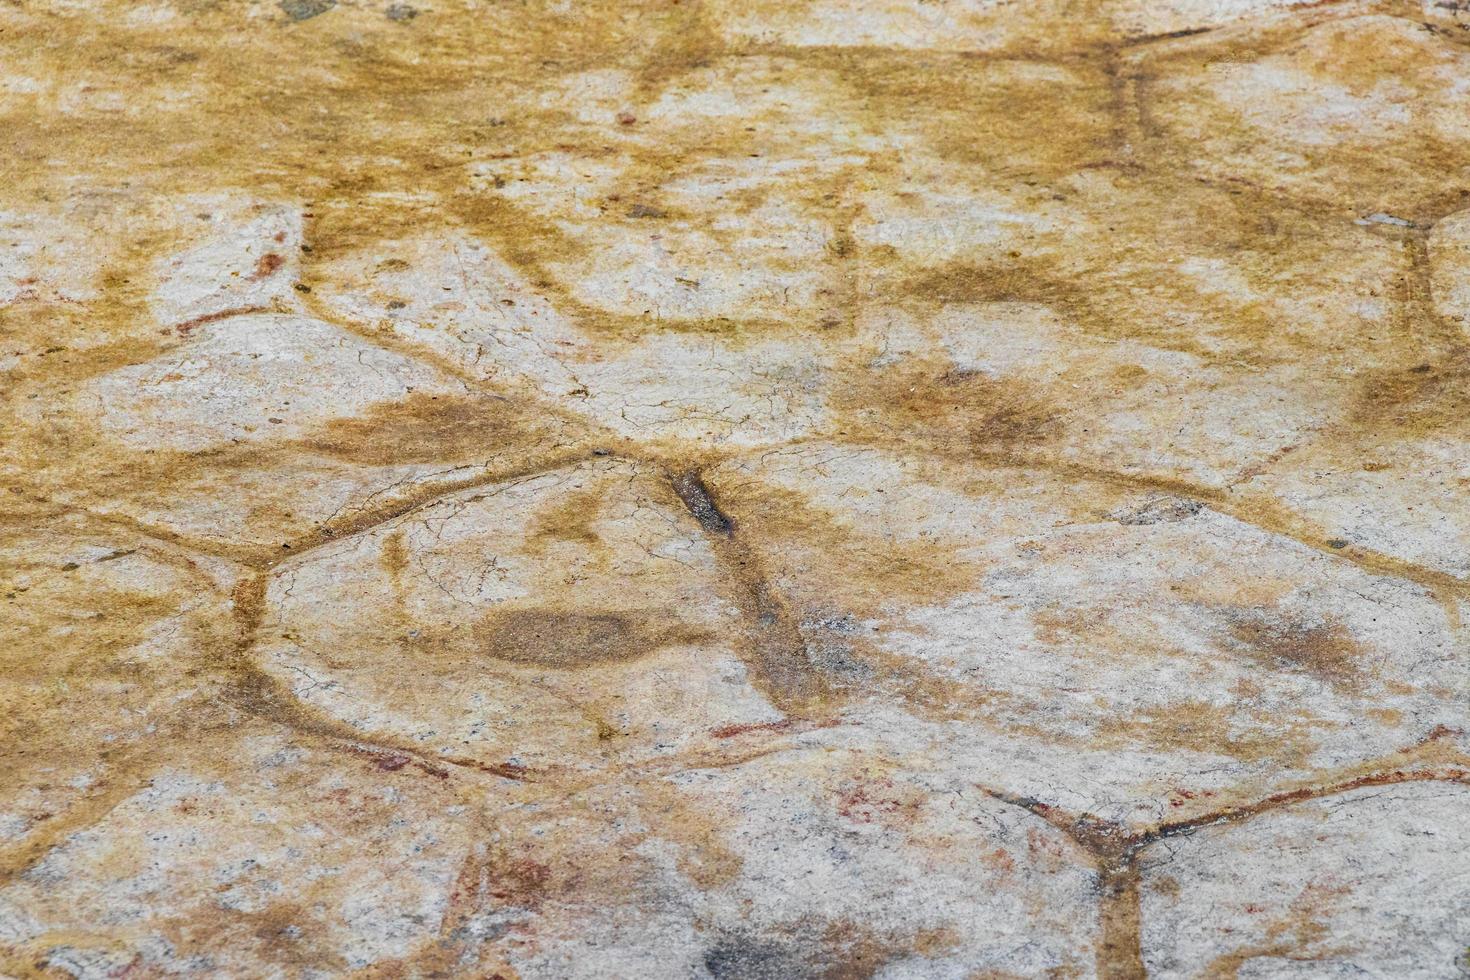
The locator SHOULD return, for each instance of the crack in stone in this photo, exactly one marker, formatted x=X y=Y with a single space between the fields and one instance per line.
x=260 y=695
x=772 y=644
x=696 y=498
x=1260 y=512
x=1117 y=852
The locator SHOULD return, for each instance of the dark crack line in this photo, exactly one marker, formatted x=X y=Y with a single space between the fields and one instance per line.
x=772 y=645
x=695 y=495
x=1117 y=853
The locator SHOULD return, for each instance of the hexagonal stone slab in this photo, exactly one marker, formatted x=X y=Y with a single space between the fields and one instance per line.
x=111 y=641
x=256 y=850
x=259 y=430
x=1360 y=114
x=248 y=378
x=1373 y=881
x=457 y=298
x=1131 y=654
x=247 y=852
x=805 y=862
x=572 y=619
x=1021 y=382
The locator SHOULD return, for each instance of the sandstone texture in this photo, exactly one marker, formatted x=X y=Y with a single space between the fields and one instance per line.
x=729 y=489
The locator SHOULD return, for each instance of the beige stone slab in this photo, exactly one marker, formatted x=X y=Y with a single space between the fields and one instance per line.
x=1361 y=116
x=734 y=490
x=112 y=641
x=257 y=432
x=571 y=619
x=1370 y=881
x=249 y=854
x=1110 y=650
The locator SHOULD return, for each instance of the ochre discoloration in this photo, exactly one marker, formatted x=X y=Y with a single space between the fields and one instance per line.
x=429 y=428
x=566 y=640
x=480 y=481
x=1326 y=651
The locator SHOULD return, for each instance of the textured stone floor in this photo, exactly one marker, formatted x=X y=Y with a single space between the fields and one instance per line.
x=735 y=489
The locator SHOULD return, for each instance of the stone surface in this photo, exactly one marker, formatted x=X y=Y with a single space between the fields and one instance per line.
x=735 y=489
x=1320 y=888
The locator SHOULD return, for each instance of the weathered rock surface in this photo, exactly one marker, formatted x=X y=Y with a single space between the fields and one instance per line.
x=735 y=489
x=1367 y=881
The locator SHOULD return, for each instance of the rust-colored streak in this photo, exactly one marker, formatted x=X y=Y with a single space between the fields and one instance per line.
x=1120 y=953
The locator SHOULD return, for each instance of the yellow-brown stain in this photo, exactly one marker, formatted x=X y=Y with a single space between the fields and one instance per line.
x=376 y=130
x=1325 y=651
x=428 y=428
x=567 y=639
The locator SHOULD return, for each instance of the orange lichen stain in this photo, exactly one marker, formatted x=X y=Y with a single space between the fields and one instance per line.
x=998 y=859
x=605 y=731
x=1164 y=884
x=1056 y=625
x=879 y=801
x=287 y=934
x=865 y=570
x=268 y=264
x=849 y=950
x=947 y=409
x=377 y=128
x=697 y=833
x=1056 y=119
x=519 y=881
x=569 y=519
x=731 y=731
x=1299 y=931
x=186 y=327
x=394 y=555
x=1420 y=399
x=1386 y=716
x=1119 y=955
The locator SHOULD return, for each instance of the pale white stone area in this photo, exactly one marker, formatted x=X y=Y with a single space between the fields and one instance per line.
x=942 y=25
x=249 y=378
x=1369 y=882
x=1154 y=18
x=1338 y=114
x=735 y=489
x=1449 y=257
x=233 y=254
x=826 y=838
x=45 y=256
x=454 y=296
x=361 y=874
x=1207 y=423
x=1401 y=495
x=458 y=299
x=945 y=880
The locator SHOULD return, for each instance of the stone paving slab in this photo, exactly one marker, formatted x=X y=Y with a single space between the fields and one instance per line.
x=903 y=489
